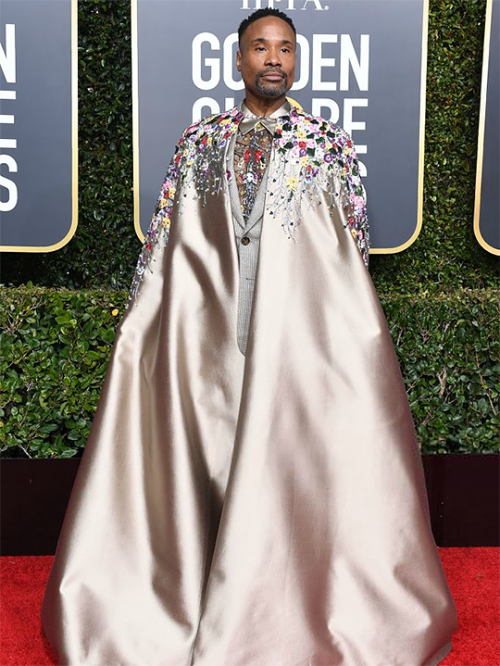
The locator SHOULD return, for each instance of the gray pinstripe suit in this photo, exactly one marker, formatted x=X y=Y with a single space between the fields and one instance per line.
x=247 y=237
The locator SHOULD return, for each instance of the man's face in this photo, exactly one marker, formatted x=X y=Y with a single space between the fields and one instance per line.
x=267 y=57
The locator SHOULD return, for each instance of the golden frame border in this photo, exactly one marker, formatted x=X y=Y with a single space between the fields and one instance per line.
x=421 y=142
x=74 y=148
x=135 y=120
x=482 y=122
x=420 y=175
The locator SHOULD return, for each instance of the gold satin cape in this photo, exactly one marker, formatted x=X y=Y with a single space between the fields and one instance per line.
x=258 y=510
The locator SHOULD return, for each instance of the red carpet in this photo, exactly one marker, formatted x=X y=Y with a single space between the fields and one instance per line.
x=472 y=573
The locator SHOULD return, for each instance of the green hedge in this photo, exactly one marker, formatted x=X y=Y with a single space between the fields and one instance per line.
x=56 y=346
x=55 y=350
x=449 y=351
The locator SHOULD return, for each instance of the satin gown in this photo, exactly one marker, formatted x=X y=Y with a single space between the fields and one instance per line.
x=258 y=510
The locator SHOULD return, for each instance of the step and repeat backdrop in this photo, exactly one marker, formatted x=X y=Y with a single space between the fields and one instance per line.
x=353 y=67
x=361 y=63
x=487 y=208
x=38 y=124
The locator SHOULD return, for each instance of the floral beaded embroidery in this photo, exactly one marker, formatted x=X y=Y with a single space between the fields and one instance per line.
x=160 y=225
x=198 y=157
x=311 y=154
x=251 y=157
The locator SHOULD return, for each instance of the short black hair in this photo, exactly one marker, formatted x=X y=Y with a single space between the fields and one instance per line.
x=261 y=13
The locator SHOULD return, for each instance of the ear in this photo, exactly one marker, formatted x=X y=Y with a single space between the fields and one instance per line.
x=238 y=61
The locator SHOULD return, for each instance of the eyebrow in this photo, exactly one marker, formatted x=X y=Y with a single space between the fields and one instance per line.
x=263 y=39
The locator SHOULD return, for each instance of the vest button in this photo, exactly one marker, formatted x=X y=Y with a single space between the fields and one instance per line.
x=245 y=240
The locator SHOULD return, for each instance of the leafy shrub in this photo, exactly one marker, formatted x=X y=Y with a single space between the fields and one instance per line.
x=55 y=351
x=56 y=346
x=448 y=349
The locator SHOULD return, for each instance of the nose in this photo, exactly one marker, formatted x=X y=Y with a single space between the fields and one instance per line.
x=273 y=57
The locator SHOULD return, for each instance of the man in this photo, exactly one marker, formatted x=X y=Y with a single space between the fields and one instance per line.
x=252 y=493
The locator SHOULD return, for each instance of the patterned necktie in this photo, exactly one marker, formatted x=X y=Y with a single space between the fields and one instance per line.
x=252 y=150
x=251 y=158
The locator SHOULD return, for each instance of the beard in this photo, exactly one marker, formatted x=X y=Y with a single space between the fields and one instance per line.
x=268 y=89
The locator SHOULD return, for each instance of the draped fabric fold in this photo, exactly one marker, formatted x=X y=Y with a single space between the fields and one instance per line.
x=258 y=510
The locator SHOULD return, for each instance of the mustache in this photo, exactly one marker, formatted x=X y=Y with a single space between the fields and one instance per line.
x=273 y=71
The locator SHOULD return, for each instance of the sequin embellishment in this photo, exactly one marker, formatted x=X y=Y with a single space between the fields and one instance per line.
x=251 y=157
x=312 y=155
x=309 y=154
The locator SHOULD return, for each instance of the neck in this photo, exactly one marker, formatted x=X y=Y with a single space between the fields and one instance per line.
x=263 y=106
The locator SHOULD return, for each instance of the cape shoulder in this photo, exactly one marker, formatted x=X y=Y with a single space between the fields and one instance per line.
x=308 y=148
x=315 y=154
x=197 y=157
x=217 y=123
x=312 y=153
x=295 y=132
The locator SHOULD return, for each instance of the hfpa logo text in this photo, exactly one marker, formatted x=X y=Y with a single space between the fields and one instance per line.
x=287 y=5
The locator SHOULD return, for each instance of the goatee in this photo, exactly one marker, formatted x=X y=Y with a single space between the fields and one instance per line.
x=268 y=89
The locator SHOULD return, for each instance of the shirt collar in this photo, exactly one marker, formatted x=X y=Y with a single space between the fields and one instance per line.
x=250 y=120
